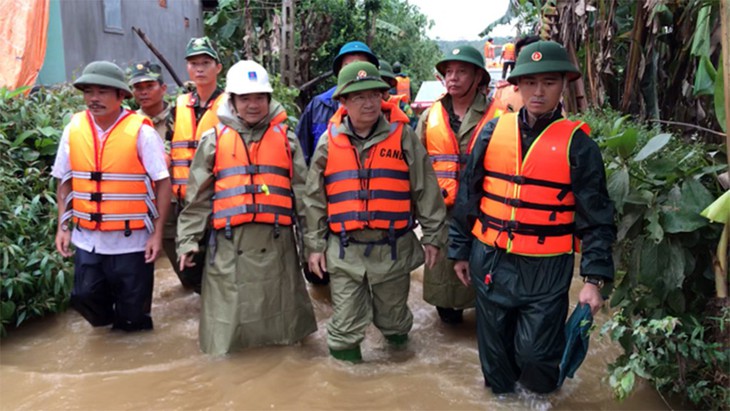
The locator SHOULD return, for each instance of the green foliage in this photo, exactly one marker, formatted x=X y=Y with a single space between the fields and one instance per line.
x=34 y=279
x=659 y=184
x=675 y=356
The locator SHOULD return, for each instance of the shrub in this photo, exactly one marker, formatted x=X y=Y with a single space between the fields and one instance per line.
x=664 y=284
x=34 y=279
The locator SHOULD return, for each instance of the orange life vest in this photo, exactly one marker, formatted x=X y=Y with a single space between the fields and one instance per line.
x=528 y=207
x=185 y=138
x=111 y=190
x=375 y=195
x=443 y=150
x=403 y=87
x=509 y=97
x=253 y=183
x=488 y=50
x=508 y=52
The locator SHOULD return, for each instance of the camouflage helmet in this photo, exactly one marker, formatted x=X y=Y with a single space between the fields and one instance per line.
x=199 y=46
x=466 y=54
x=543 y=57
x=144 y=71
x=103 y=73
x=359 y=76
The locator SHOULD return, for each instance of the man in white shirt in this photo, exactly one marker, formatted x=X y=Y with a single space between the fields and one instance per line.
x=112 y=179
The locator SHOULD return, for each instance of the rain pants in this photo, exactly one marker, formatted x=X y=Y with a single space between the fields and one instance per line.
x=371 y=286
x=521 y=312
x=253 y=292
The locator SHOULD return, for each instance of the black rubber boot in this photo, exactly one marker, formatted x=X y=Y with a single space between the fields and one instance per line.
x=450 y=315
x=352 y=355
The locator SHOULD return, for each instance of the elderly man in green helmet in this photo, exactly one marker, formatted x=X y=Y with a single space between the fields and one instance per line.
x=369 y=181
x=447 y=130
x=533 y=192
x=113 y=198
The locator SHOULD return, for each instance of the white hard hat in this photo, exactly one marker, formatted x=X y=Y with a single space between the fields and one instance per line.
x=247 y=77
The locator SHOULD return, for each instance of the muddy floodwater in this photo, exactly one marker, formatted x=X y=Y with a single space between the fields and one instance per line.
x=62 y=363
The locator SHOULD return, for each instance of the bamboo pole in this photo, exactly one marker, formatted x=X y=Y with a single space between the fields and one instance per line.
x=725 y=21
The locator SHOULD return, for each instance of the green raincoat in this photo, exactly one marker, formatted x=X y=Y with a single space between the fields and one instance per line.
x=441 y=286
x=253 y=291
x=387 y=279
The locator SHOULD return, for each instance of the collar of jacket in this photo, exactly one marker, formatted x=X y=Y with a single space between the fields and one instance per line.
x=380 y=132
x=542 y=122
x=229 y=117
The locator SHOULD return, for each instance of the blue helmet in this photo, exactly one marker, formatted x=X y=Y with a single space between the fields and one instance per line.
x=350 y=48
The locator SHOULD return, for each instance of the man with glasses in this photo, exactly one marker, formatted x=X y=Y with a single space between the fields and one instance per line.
x=368 y=182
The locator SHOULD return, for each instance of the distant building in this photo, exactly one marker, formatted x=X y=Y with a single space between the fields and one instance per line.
x=81 y=31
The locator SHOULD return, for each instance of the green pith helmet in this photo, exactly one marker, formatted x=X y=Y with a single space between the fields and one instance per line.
x=144 y=71
x=387 y=74
x=201 y=45
x=467 y=54
x=543 y=57
x=359 y=76
x=103 y=73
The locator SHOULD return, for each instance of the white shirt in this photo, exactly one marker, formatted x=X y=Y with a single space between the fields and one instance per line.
x=152 y=153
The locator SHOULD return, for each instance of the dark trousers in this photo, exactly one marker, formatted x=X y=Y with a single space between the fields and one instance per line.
x=191 y=278
x=113 y=289
x=507 y=65
x=520 y=317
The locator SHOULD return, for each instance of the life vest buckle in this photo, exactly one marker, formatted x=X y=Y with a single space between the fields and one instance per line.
x=514 y=202
x=363 y=173
x=518 y=179
x=95 y=217
x=363 y=194
x=96 y=197
x=95 y=176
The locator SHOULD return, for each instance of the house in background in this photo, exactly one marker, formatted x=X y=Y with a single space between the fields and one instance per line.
x=82 y=31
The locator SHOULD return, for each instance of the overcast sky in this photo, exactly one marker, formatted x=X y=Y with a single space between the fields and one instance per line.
x=463 y=19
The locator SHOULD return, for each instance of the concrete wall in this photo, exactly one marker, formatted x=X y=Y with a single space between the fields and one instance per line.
x=86 y=40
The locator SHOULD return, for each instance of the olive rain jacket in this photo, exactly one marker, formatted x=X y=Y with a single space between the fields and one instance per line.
x=429 y=210
x=253 y=290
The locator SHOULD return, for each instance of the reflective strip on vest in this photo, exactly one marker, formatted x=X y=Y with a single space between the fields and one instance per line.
x=253 y=181
x=528 y=207
x=110 y=189
x=444 y=151
x=376 y=196
x=185 y=138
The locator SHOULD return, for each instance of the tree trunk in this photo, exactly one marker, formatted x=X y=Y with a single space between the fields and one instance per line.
x=635 y=62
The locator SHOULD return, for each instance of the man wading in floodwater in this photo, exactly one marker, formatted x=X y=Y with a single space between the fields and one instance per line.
x=534 y=185
x=111 y=166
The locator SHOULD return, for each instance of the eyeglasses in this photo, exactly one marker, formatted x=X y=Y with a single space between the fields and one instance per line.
x=362 y=98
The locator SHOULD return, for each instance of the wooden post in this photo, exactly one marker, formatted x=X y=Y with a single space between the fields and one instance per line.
x=287 y=42
x=725 y=22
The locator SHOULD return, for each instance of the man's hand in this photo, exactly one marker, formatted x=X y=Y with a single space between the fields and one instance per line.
x=432 y=255
x=186 y=260
x=317 y=264
x=591 y=295
x=462 y=271
x=153 y=247
x=63 y=240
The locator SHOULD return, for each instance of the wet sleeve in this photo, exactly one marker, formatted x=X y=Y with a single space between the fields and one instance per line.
x=421 y=127
x=315 y=201
x=193 y=219
x=299 y=179
x=594 y=211
x=466 y=207
x=303 y=131
x=430 y=209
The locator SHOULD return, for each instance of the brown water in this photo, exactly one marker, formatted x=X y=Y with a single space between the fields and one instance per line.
x=63 y=363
